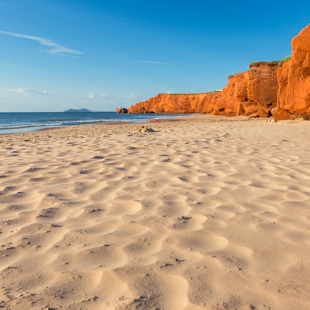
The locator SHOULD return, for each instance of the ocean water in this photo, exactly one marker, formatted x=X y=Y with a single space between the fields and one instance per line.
x=32 y=121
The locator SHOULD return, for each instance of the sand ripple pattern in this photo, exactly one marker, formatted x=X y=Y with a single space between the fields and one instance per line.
x=202 y=215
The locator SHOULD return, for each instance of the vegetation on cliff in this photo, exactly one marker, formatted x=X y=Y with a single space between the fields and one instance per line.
x=270 y=63
x=264 y=63
x=281 y=62
x=183 y=94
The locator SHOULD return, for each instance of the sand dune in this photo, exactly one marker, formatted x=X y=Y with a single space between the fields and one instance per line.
x=204 y=213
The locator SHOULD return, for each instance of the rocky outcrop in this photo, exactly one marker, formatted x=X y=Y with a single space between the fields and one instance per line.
x=145 y=129
x=121 y=110
x=175 y=103
x=294 y=81
x=253 y=92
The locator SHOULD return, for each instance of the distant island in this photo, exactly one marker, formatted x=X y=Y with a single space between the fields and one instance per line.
x=79 y=110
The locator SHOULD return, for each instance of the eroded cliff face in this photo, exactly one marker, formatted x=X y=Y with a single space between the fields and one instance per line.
x=278 y=89
x=249 y=93
x=175 y=103
x=294 y=81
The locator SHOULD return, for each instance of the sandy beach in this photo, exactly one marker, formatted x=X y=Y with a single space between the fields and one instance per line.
x=203 y=213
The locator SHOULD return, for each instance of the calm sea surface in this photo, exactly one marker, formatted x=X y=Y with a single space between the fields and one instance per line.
x=30 y=121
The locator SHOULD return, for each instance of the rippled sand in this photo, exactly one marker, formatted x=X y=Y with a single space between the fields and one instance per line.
x=205 y=213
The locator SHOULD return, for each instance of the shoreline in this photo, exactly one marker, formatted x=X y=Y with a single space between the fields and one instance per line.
x=45 y=120
x=177 y=118
x=202 y=213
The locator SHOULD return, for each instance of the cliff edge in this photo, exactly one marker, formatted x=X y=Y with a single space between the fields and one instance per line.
x=249 y=93
x=176 y=103
x=294 y=81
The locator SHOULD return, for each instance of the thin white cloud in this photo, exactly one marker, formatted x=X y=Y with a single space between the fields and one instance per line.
x=55 y=48
x=27 y=91
x=96 y=96
x=153 y=62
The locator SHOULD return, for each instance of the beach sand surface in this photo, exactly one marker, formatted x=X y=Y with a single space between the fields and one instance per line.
x=203 y=213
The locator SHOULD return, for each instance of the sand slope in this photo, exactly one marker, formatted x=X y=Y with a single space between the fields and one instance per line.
x=199 y=214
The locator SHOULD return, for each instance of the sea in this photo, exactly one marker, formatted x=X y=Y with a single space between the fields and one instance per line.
x=16 y=122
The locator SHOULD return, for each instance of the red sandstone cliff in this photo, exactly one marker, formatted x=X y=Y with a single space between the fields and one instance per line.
x=253 y=92
x=294 y=81
x=248 y=93
x=175 y=103
x=274 y=88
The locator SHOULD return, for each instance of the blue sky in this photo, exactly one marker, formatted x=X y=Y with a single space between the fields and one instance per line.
x=61 y=54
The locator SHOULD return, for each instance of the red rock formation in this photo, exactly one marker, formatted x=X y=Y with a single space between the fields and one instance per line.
x=175 y=103
x=248 y=93
x=253 y=92
x=294 y=81
x=121 y=110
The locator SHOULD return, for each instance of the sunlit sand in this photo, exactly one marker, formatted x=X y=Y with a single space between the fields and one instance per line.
x=202 y=213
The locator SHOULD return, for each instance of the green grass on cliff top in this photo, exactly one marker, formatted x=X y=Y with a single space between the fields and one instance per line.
x=177 y=94
x=270 y=63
